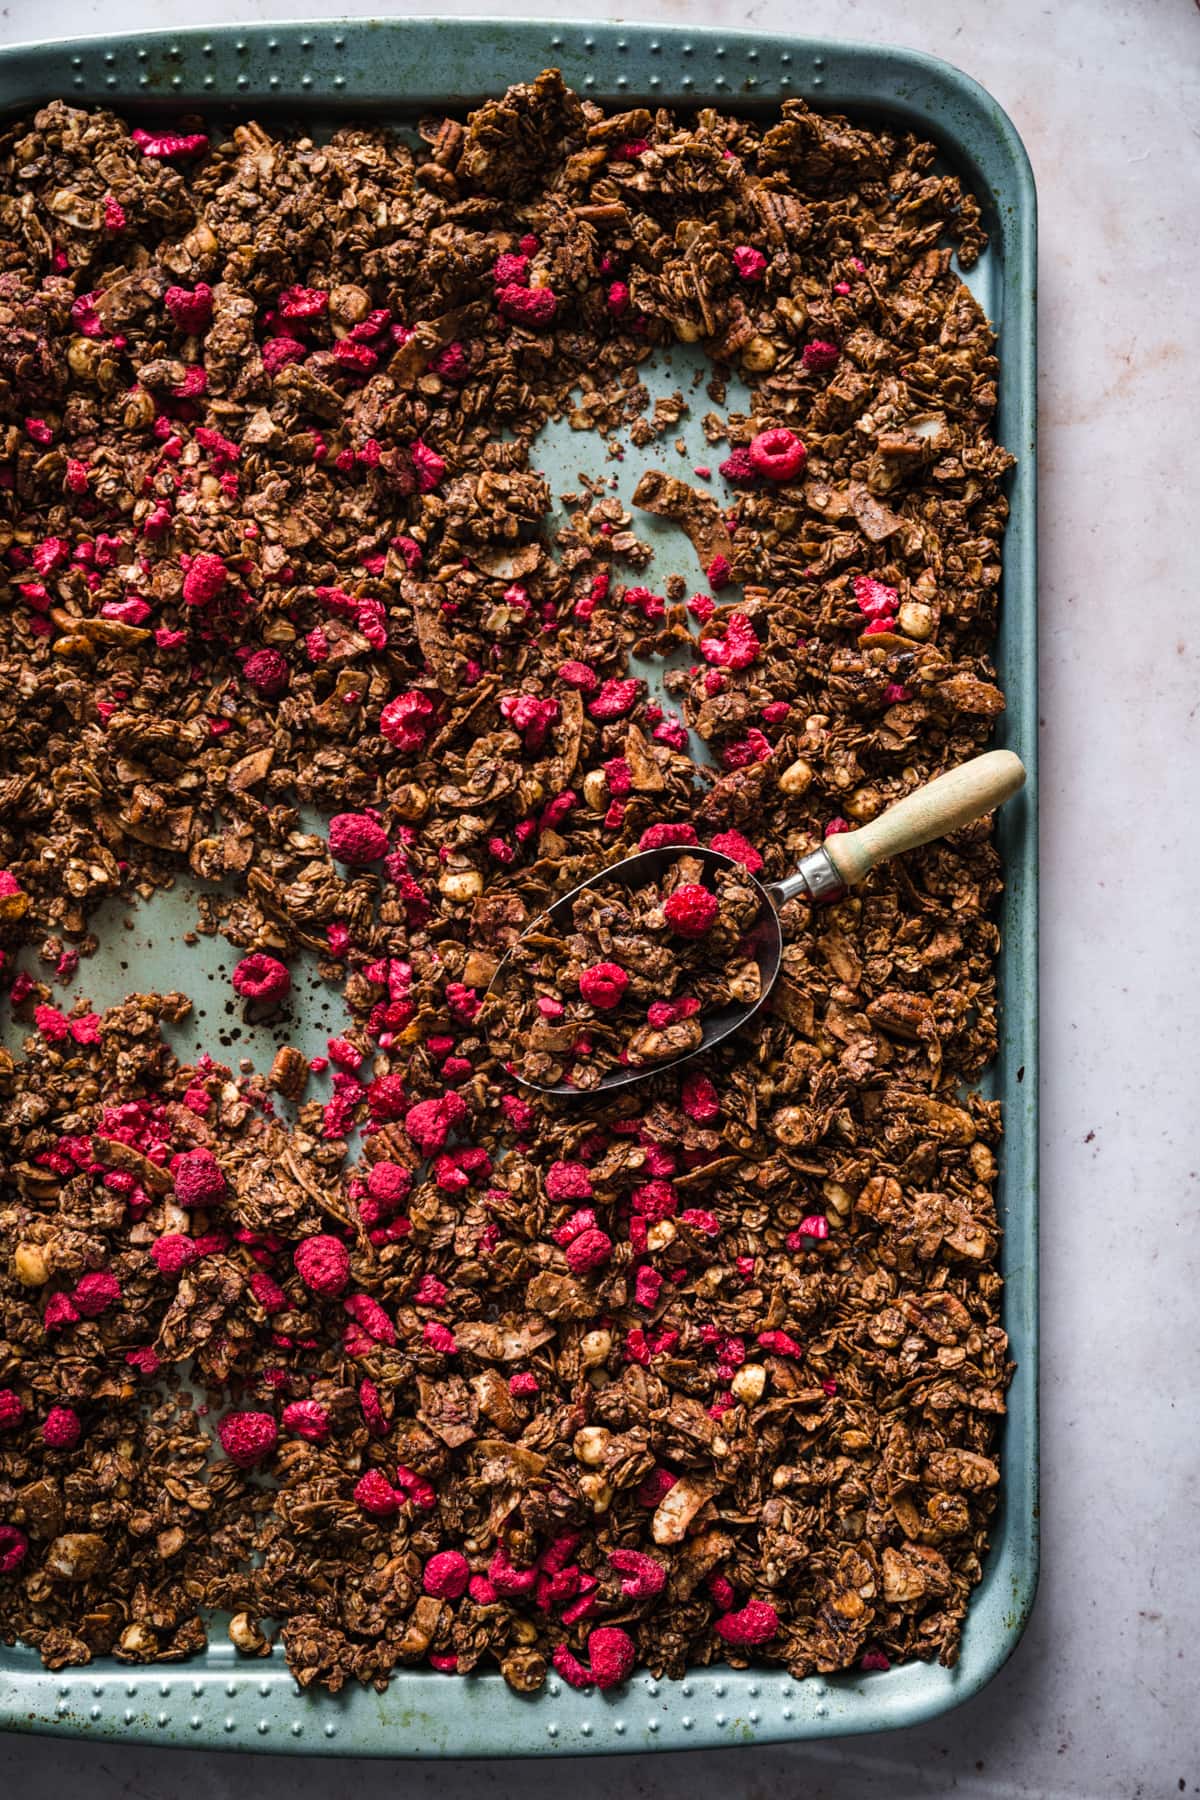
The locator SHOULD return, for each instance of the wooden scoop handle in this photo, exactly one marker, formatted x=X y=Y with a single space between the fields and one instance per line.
x=958 y=797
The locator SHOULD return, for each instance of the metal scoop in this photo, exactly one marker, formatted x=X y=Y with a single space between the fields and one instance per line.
x=956 y=798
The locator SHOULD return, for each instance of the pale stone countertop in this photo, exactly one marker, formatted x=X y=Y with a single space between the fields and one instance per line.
x=1102 y=1699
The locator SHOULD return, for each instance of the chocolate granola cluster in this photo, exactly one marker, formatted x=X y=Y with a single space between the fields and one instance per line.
x=431 y=1372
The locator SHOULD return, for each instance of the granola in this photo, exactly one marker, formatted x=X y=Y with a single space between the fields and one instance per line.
x=629 y=980
x=428 y=1371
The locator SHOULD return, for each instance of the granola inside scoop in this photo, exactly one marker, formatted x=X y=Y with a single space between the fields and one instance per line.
x=628 y=979
x=375 y=1351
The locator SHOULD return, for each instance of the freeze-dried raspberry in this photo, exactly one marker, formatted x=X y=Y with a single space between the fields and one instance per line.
x=430 y=1122
x=323 y=1265
x=386 y=1098
x=62 y=1429
x=268 y=1293
x=875 y=599
x=370 y=1316
x=749 y=262
x=665 y=836
x=172 y=1253
x=691 y=910
x=247 y=1437
x=14 y=1547
x=531 y=307
x=261 y=977
x=719 y=572
x=738 y=469
x=507 y=1580
x=647 y=1285
x=452 y=364
x=356 y=839
x=579 y=675
x=661 y=1013
x=568 y=1181
x=114 y=214
x=390 y=1183
x=407 y=720
x=642 y=1576
x=446 y=1575
x=617 y=299
x=814 y=1229
x=302 y=303
x=204 y=580
x=510 y=271
x=755 y=1623
x=428 y=466
x=12 y=1409
x=612 y=1655
x=523 y=1384
x=95 y=1293
x=358 y=358
x=603 y=984
x=615 y=698
x=159 y=145
x=819 y=356
x=439 y=1337
x=699 y=1099
x=737 y=649
x=655 y=1200
x=191 y=309
x=740 y=849
x=532 y=715
x=376 y=1495
x=780 y=1343
x=198 y=1179
x=145 y=1359
x=307 y=1419
x=371 y=1407
x=778 y=454
x=268 y=673
x=278 y=352
x=590 y=1250
x=417 y=1491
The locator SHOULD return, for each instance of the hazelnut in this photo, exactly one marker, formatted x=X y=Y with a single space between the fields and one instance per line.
x=460 y=884
x=591 y=1443
x=597 y=1490
x=758 y=355
x=245 y=1635
x=915 y=619
x=29 y=1265
x=748 y=1383
x=594 y=1348
x=796 y=778
x=660 y=1234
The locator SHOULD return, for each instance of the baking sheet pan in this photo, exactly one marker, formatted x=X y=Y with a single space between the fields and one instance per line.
x=394 y=69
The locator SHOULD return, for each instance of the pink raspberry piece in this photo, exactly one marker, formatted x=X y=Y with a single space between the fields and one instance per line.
x=819 y=356
x=739 y=848
x=307 y=1419
x=755 y=1623
x=261 y=977
x=198 y=1179
x=407 y=720
x=268 y=673
x=62 y=1429
x=592 y=1249
x=691 y=910
x=95 y=1293
x=12 y=1409
x=777 y=454
x=247 y=1437
x=749 y=262
x=376 y=1496
x=643 y=1576
x=205 y=578
x=323 y=1265
x=603 y=984
x=356 y=839
x=446 y=1575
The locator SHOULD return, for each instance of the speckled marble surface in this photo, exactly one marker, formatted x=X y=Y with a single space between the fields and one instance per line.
x=1101 y=1699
